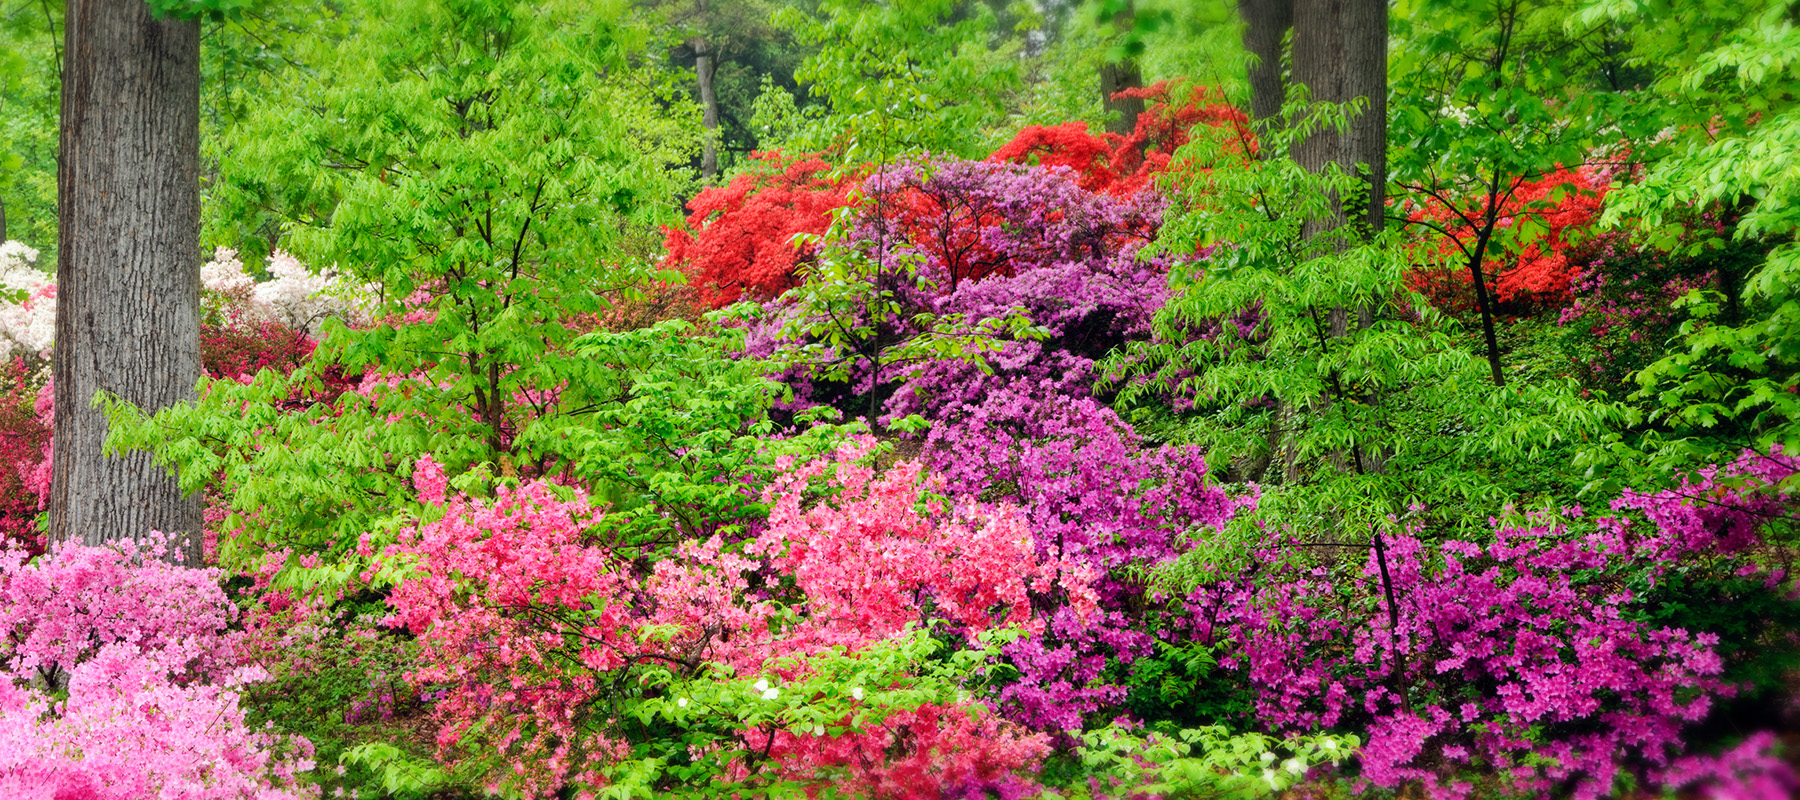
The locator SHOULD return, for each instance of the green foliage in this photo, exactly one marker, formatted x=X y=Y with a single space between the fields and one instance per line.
x=1731 y=382
x=906 y=77
x=1207 y=762
x=1182 y=683
x=660 y=424
x=29 y=90
x=339 y=680
x=1311 y=365
x=694 y=728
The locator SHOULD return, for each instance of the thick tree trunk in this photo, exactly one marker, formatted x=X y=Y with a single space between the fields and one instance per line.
x=1340 y=55
x=128 y=267
x=1265 y=23
x=1338 y=52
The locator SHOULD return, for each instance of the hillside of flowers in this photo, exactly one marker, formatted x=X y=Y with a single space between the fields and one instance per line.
x=919 y=454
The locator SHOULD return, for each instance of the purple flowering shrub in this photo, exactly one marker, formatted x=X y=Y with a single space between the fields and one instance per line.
x=1533 y=655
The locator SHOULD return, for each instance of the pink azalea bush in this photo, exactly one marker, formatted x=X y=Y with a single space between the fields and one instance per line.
x=532 y=621
x=120 y=678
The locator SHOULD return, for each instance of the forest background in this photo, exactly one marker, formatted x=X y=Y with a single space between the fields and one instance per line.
x=937 y=399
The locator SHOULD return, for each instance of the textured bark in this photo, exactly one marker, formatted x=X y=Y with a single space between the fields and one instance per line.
x=128 y=267
x=1340 y=55
x=1338 y=52
x=1265 y=23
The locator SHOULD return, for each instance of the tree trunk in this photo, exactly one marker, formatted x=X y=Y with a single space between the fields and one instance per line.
x=1265 y=23
x=1340 y=55
x=704 y=65
x=1122 y=112
x=709 y=108
x=1338 y=52
x=128 y=268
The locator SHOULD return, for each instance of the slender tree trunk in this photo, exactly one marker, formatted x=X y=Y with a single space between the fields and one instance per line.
x=3 y=220
x=128 y=268
x=709 y=108
x=1122 y=112
x=704 y=66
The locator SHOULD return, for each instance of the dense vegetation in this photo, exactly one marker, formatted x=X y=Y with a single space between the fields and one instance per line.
x=962 y=436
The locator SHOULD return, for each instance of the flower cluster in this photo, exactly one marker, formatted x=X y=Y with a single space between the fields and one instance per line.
x=152 y=678
x=1519 y=653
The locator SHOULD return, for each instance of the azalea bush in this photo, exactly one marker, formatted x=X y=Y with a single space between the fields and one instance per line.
x=120 y=677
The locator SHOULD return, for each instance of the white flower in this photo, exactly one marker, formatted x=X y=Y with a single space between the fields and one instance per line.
x=761 y=685
x=771 y=693
x=1294 y=766
x=856 y=692
x=1268 y=758
x=1269 y=778
x=1329 y=745
x=681 y=703
x=818 y=730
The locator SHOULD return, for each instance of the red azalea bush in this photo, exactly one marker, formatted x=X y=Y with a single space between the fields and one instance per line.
x=1538 y=274
x=1124 y=165
x=740 y=239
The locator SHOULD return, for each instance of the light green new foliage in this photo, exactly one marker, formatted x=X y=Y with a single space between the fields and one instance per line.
x=1209 y=762
x=906 y=77
x=707 y=726
x=476 y=163
x=1727 y=384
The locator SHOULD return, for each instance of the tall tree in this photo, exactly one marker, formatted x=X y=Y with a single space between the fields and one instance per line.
x=128 y=266
x=1338 y=52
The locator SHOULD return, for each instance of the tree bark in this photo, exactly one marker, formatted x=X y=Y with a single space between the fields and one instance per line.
x=1340 y=55
x=709 y=109
x=1265 y=23
x=709 y=100
x=128 y=267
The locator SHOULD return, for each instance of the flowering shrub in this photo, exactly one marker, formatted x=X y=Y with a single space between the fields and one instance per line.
x=143 y=680
x=741 y=241
x=1522 y=654
x=1543 y=218
x=27 y=303
x=531 y=621
x=24 y=452
x=1125 y=165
